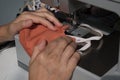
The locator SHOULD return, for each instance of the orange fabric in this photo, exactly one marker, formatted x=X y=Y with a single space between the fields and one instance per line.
x=30 y=37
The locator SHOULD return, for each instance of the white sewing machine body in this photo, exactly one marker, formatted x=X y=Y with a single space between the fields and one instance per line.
x=102 y=60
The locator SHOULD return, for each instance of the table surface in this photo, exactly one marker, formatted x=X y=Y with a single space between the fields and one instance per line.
x=9 y=69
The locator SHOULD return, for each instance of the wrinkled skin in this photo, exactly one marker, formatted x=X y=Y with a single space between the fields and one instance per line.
x=54 y=61
x=27 y=19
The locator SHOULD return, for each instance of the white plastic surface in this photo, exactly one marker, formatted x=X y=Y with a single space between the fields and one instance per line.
x=9 y=69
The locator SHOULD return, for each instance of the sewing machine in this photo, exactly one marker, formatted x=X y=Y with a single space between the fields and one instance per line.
x=102 y=60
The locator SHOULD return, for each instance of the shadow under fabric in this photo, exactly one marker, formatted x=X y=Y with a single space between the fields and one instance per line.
x=32 y=36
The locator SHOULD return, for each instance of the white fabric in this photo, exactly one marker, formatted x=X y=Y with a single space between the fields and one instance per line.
x=98 y=36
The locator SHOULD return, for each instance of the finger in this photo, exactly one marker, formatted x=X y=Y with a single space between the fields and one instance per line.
x=36 y=18
x=62 y=43
x=16 y=27
x=48 y=24
x=39 y=18
x=73 y=61
x=68 y=52
x=48 y=16
x=53 y=19
x=44 y=10
x=66 y=27
x=37 y=50
x=50 y=47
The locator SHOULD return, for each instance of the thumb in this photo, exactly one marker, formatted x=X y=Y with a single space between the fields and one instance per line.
x=37 y=50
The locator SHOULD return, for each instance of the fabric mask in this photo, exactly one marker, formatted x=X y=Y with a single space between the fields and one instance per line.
x=30 y=37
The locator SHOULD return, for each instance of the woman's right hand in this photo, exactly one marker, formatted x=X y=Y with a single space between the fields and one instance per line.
x=55 y=61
